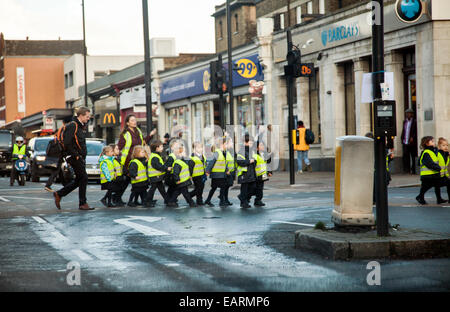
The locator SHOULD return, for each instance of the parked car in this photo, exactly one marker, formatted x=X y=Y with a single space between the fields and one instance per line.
x=6 y=143
x=40 y=164
x=94 y=149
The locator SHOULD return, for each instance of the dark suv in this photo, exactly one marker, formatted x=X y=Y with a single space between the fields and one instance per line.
x=39 y=162
x=6 y=143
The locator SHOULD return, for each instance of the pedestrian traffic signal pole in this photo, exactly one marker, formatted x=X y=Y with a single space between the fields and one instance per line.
x=230 y=65
x=290 y=99
x=380 y=139
x=148 y=70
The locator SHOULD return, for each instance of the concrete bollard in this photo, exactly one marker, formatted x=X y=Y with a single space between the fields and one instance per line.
x=353 y=187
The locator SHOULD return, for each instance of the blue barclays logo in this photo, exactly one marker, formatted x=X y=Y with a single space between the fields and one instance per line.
x=340 y=33
x=410 y=7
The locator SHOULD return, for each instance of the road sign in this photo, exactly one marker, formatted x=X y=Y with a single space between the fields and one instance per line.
x=409 y=11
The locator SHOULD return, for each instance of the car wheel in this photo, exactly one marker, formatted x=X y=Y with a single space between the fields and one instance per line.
x=34 y=176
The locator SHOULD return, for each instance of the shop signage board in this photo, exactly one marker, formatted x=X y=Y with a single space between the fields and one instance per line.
x=197 y=82
x=109 y=118
x=20 y=89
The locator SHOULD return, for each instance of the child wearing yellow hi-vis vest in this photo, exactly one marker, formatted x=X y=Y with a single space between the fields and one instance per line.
x=107 y=175
x=137 y=171
x=429 y=168
x=168 y=179
x=261 y=173
x=444 y=160
x=197 y=165
x=216 y=169
x=246 y=171
x=230 y=170
x=156 y=172
x=181 y=177
x=120 y=184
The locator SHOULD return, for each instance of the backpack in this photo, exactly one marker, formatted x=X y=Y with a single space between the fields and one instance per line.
x=55 y=147
x=309 y=136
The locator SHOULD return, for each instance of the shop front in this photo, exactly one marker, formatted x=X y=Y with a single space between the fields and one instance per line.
x=191 y=111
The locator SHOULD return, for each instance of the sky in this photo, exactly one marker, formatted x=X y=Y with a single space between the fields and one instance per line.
x=113 y=27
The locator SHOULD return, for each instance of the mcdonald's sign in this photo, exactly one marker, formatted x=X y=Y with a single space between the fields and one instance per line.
x=109 y=119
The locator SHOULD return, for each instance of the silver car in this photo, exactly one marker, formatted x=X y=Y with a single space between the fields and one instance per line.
x=94 y=149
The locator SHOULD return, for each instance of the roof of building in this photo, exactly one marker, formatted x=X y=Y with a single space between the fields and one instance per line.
x=221 y=8
x=43 y=47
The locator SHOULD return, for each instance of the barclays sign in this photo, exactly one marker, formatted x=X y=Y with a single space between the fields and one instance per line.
x=339 y=33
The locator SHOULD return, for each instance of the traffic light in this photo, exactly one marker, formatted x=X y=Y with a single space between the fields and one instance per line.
x=295 y=68
x=217 y=77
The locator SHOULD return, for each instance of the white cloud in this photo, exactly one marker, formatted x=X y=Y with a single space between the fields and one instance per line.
x=112 y=26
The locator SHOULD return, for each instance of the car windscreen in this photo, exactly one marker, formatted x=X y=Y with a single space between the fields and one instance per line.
x=94 y=148
x=41 y=145
x=5 y=140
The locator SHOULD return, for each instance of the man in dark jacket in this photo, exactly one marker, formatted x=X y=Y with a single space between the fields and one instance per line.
x=409 y=142
x=246 y=171
x=75 y=153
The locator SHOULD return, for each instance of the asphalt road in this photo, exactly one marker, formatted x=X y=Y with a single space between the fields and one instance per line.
x=196 y=249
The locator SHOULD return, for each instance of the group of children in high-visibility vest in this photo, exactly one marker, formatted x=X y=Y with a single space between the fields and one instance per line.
x=433 y=164
x=178 y=172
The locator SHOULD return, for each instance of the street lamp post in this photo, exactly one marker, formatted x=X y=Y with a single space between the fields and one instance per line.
x=230 y=64
x=147 y=65
x=84 y=57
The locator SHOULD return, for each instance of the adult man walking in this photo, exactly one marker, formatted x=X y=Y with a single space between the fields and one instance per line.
x=75 y=153
x=409 y=142
x=301 y=147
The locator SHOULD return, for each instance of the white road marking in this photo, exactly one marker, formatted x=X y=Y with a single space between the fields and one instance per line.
x=34 y=198
x=39 y=219
x=295 y=223
x=4 y=199
x=81 y=254
x=146 y=230
x=172 y=264
x=58 y=235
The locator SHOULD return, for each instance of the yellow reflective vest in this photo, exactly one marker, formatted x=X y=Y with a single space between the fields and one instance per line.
x=185 y=175
x=111 y=170
x=117 y=168
x=141 y=173
x=220 y=164
x=128 y=141
x=261 y=167
x=19 y=151
x=424 y=170
x=231 y=164
x=199 y=166
x=443 y=164
x=152 y=172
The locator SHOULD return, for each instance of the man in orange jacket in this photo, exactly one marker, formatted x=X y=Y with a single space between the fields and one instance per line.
x=301 y=147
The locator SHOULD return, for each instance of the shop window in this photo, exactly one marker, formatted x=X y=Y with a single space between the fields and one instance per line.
x=298 y=13
x=244 y=110
x=207 y=114
x=197 y=113
x=350 y=114
x=314 y=106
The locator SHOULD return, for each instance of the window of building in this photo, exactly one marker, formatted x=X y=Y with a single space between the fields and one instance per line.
x=66 y=81
x=314 y=105
x=99 y=74
x=220 y=30
x=244 y=110
x=350 y=114
x=282 y=21
x=236 y=23
x=310 y=7
x=70 y=83
x=298 y=13
x=321 y=6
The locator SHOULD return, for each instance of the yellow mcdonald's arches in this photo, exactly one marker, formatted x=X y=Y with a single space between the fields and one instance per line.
x=110 y=117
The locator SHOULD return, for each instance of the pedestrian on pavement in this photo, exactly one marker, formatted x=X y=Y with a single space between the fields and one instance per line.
x=19 y=150
x=108 y=175
x=261 y=173
x=156 y=172
x=246 y=171
x=75 y=153
x=138 y=173
x=429 y=169
x=181 y=177
x=120 y=178
x=130 y=137
x=197 y=165
x=57 y=170
x=216 y=170
x=409 y=142
x=444 y=160
x=166 y=146
x=301 y=147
